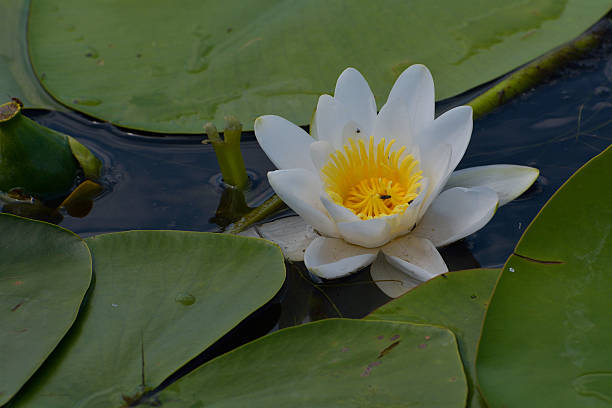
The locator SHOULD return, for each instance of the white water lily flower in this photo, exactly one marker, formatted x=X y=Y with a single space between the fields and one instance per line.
x=373 y=185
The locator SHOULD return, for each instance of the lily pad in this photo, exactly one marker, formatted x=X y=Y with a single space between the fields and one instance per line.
x=45 y=271
x=17 y=80
x=160 y=298
x=547 y=334
x=331 y=363
x=136 y=67
x=457 y=300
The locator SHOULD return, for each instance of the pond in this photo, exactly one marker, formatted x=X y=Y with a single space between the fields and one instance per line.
x=156 y=181
x=134 y=312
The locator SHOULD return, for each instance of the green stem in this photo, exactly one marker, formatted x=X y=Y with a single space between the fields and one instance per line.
x=228 y=152
x=536 y=71
x=270 y=206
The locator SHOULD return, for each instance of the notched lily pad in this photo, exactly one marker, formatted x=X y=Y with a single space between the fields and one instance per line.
x=546 y=338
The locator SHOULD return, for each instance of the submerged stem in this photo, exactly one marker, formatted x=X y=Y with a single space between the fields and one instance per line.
x=537 y=71
x=270 y=206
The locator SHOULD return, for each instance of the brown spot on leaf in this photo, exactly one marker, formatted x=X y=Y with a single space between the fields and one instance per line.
x=369 y=368
x=388 y=349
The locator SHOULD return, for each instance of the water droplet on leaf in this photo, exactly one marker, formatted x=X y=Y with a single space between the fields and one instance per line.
x=185 y=299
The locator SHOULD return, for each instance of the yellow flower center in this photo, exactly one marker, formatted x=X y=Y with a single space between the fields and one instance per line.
x=372 y=182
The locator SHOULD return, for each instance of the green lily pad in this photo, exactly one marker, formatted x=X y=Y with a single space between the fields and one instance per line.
x=160 y=298
x=547 y=335
x=457 y=300
x=139 y=68
x=331 y=363
x=17 y=80
x=45 y=271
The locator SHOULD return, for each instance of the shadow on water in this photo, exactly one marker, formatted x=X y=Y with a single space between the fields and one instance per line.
x=172 y=182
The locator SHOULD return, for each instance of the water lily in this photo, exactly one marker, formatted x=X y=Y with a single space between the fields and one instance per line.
x=380 y=188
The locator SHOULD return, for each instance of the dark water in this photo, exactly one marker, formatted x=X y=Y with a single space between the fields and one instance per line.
x=172 y=182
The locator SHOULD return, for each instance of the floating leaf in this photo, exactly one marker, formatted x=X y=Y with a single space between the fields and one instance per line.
x=160 y=298
x=45 y=271
x=331 y=363
x=17 y=80
x=251 y=58
x=457 y=300
x=547 y=335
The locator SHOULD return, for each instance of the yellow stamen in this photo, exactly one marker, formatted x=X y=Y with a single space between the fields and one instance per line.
x=372 y=182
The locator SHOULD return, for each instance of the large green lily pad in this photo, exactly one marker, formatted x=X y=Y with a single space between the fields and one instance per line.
x=17 y=80
x=547 y=335
x=160 y=298
x=44 y=274
x=332 y=363
x=458 y=301
x=150 y=65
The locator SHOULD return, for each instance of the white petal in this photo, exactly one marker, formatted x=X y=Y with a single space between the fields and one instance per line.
x=312 y=129
x=454 y=127
x=389 y=279
x=366 y=233
x=286 y=144
x=320 y=152
x=338 y=212
x=333 y=258
x=354 y=92
x=330 y=118
x=408 y=219
x=300 y=190
x=292 y=234
x=352 y=130
x=394 y=122
x=437 y=170
x=508 y=181
x=415 y=89
x=457 y=213
x=415 y=256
